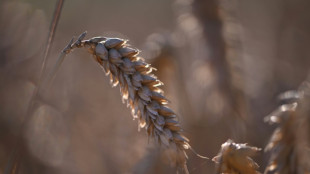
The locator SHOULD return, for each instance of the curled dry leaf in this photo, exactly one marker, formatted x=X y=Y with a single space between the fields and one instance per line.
x=235 y=158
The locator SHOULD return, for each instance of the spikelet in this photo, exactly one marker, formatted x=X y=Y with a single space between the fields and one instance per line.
x=235 y=158
x=289 y=144
x=140 y=89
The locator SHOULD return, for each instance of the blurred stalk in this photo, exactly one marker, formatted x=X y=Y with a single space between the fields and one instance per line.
x=207 y=11
x=17 y=153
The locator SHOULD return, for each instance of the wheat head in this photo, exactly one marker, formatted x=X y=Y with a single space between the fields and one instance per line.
x=289 y=144
x=140 y=89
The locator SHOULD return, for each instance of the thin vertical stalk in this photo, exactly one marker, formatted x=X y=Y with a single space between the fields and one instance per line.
x=51 y=34
x=16 y=155
x=208 y=12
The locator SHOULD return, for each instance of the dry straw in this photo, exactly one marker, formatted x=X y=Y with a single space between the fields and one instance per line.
x=139 y=88
x=235 y=158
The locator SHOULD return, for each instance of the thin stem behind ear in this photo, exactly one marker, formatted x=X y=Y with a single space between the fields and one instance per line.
x=14 y=160
x=51 y=35
x=60 y=59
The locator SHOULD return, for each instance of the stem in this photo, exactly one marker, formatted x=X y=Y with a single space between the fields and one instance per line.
x=51 y=35
x=16 y=155
x=56 y=67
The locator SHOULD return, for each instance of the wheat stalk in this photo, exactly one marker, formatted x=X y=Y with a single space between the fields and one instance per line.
x=139 y=87
x=235 y=158
x=17 y=153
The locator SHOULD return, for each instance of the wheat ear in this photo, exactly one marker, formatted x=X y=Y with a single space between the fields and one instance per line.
x=140 y=88
x=235 y=158
x=289 y=144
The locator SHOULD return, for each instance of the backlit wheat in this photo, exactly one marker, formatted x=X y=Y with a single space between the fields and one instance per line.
x=140 y=89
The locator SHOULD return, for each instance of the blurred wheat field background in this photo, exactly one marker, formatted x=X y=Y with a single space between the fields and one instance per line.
x=225 y=64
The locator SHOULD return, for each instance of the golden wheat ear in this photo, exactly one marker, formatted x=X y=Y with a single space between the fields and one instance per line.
x=235 y=158
x=289 y=144
x=139 y=87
